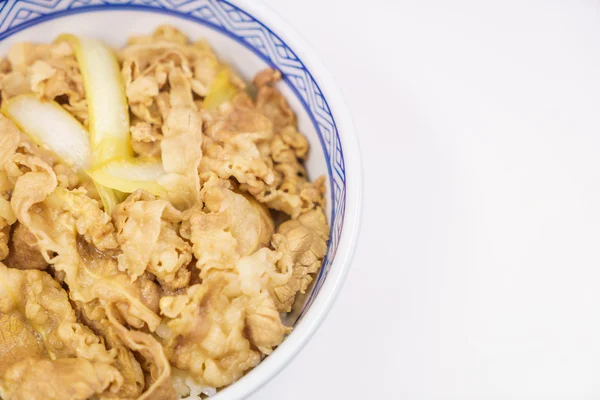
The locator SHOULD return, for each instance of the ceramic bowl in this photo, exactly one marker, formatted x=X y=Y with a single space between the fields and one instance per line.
x=251 y=37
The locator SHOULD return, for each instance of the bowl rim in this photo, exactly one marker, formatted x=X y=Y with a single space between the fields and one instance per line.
x=322 y=303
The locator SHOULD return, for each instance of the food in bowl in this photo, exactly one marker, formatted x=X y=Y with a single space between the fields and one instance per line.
x=156 y=219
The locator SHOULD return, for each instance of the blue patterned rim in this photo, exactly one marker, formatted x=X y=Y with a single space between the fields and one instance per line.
x=228 y=19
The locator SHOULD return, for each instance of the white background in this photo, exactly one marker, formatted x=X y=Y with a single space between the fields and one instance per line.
x=477 y=274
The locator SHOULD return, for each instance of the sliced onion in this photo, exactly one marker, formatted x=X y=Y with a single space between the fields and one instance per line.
x=128 y=175
x=51 y=126
x=107 y=106
x=110 y=198
x=107 y=102
x=220 y=91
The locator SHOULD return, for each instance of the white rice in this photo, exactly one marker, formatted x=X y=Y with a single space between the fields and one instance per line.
x=187 y=388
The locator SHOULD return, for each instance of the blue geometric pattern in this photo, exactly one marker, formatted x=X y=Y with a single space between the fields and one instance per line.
x=227 y=18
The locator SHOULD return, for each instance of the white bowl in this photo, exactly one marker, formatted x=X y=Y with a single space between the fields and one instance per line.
x=251 y=37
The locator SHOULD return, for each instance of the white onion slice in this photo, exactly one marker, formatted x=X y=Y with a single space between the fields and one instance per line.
x=128 y=175
x=105 y=94
x=51 y=126
x=107 y=106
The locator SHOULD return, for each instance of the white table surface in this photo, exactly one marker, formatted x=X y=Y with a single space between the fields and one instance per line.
x=478 y=268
